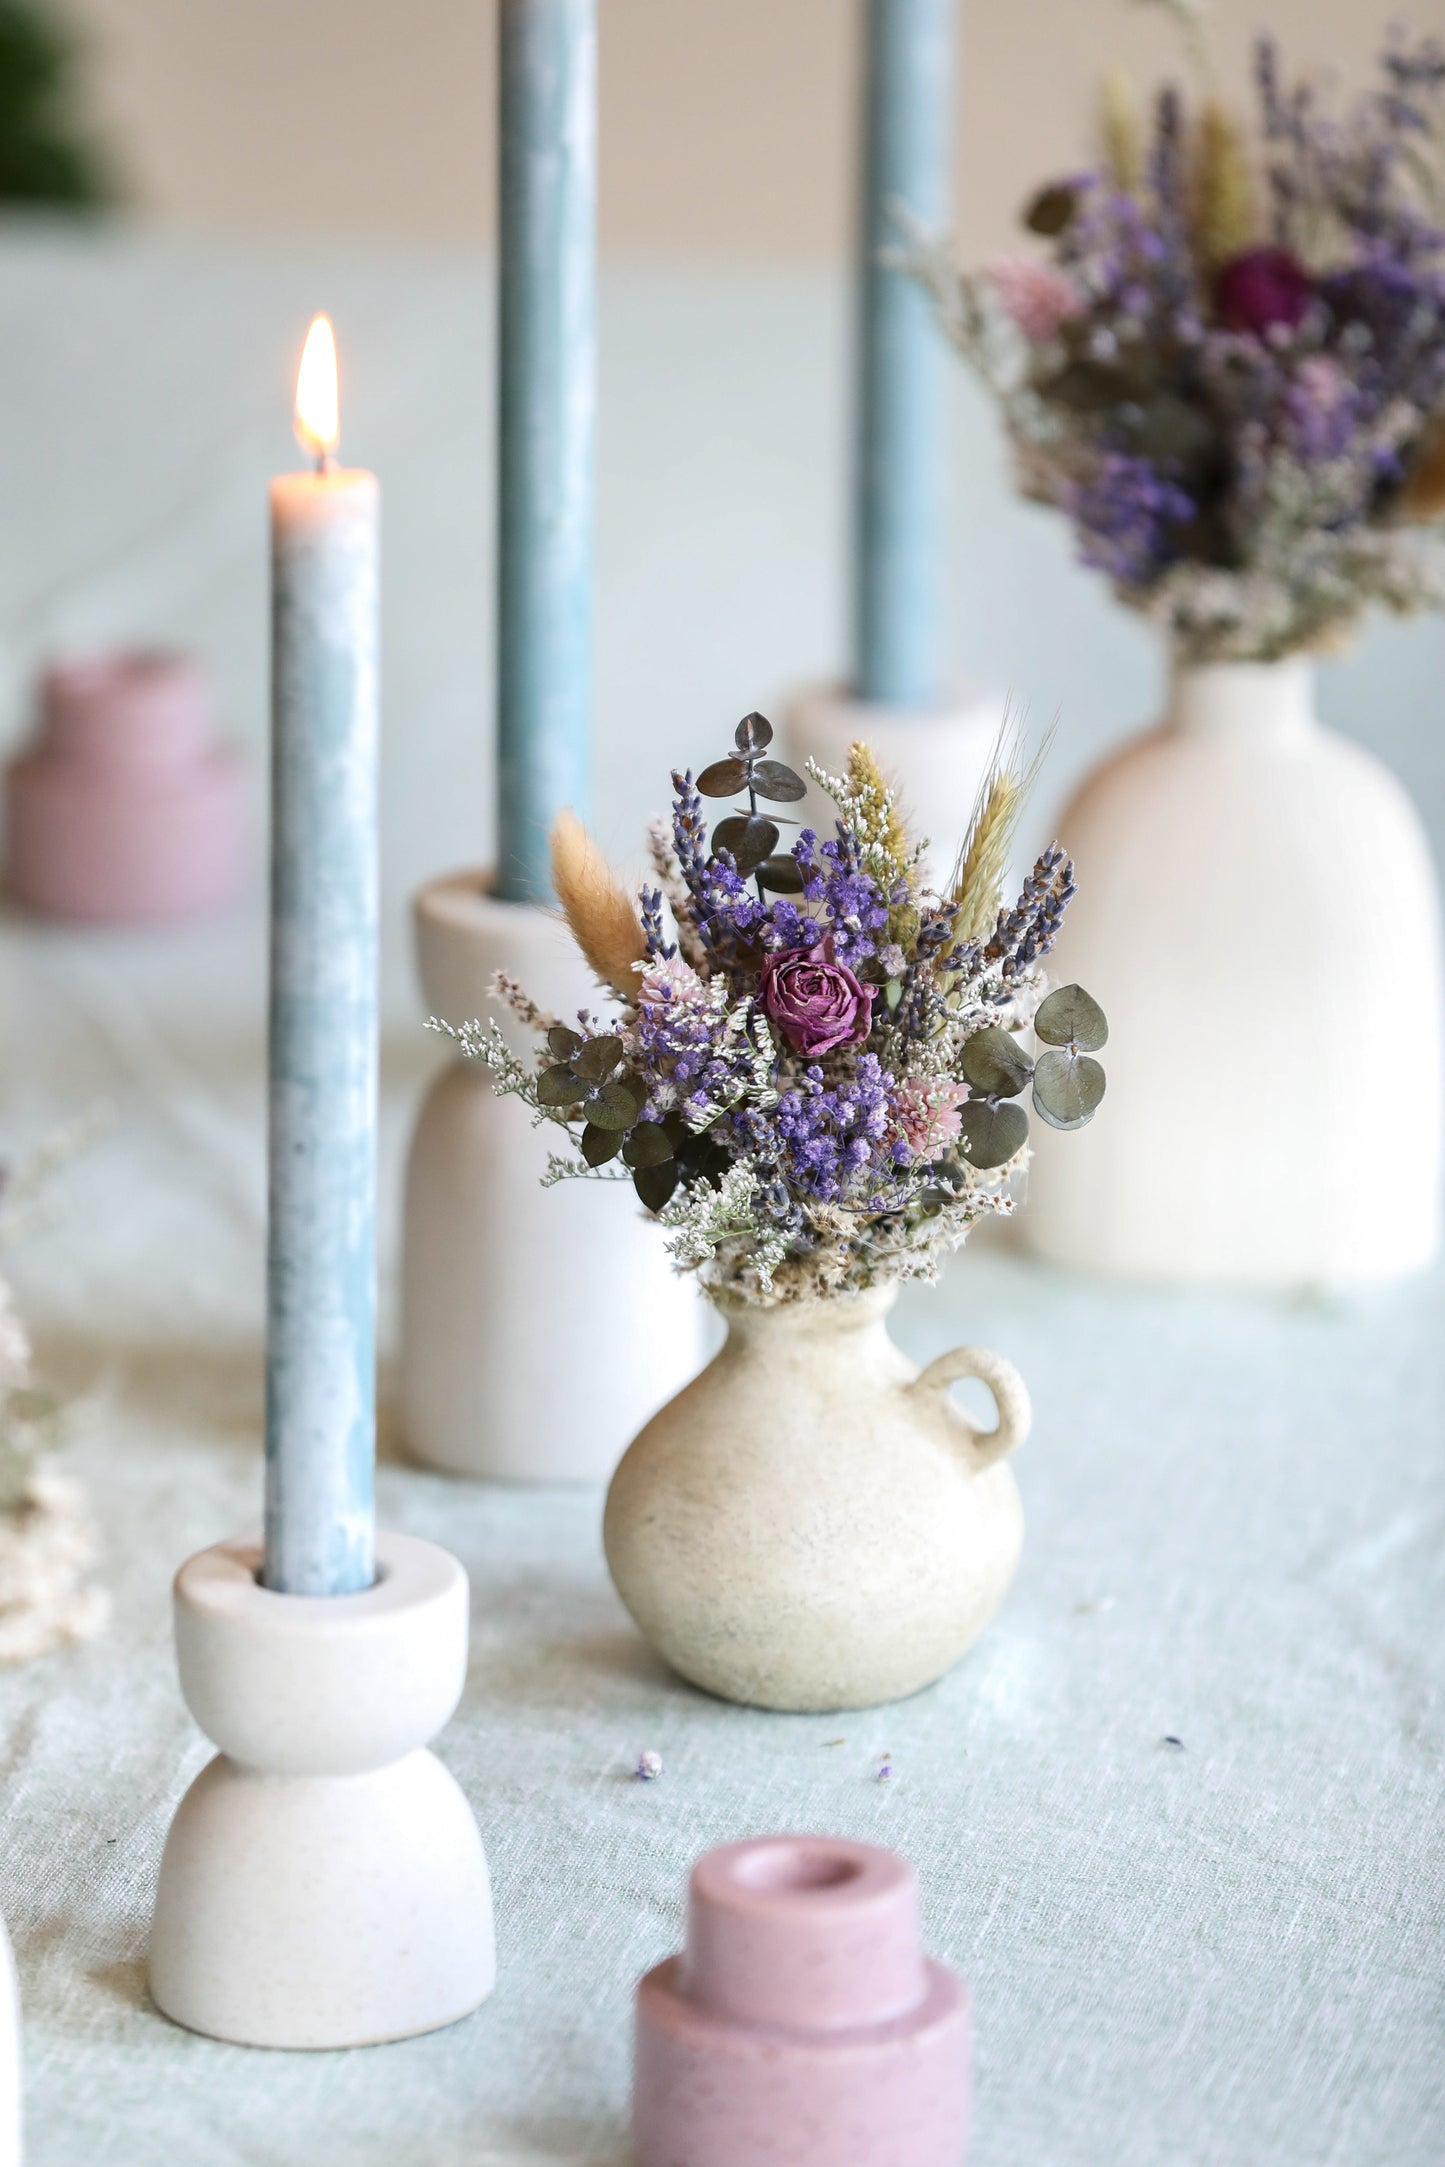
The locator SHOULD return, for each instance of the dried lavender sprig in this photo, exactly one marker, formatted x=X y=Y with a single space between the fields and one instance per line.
x=659 y=947
x=1030 y=929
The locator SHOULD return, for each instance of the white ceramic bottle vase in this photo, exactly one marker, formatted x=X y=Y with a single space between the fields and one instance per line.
x=1257 y=913
x=10 y=2137
x=539 y=1327
x=323 y=1883
x=937 y=757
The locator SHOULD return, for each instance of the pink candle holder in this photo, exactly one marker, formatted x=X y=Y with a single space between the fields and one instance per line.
x=802 y=2022
x=126 y=808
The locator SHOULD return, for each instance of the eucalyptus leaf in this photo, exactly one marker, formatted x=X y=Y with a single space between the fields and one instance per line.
x=558 y=1087
x=612 y=1105
x=600 y=1145
x=996 y=1064
x=562 y=1043
x=990 y=1134
x=1052 y=209
x=723 y=779
x=647 y=1145
x=781 y=874
x=771 y=779
x=749 y=837
x=598 y=1058
x=655 y=1184
x=753 y=733
x=703 y=1157
x=1067 y=1088
x=1071 y=1017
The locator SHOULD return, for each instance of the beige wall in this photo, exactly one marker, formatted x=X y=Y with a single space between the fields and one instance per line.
x=728 y=126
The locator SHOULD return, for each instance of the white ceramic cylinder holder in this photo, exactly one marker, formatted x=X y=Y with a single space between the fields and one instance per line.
x=938 y=757
x=540 y=1328
x=323 y=1883
x=1256 y=903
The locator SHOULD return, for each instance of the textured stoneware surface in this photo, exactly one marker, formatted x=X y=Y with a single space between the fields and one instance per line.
x=539 y=1327
x=802 y=2023
x=126 y=808
x=1241 y=845
x=812 y=1524
x=323 y=1883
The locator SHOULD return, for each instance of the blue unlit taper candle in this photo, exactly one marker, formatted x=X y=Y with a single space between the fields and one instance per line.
x=547 y=405
x=321 y=1274
x=902 y=387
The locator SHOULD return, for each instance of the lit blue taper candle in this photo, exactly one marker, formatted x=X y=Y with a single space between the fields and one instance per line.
x=902 y=388
x=321 y=1274
x=547 y=407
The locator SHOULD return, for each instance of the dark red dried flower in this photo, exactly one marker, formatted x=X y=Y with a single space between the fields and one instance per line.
x=1262 y=288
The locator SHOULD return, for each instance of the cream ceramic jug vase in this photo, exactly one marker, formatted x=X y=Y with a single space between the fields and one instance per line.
x=811 y=1523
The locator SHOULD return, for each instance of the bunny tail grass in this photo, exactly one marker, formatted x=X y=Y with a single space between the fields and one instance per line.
x=599 y=911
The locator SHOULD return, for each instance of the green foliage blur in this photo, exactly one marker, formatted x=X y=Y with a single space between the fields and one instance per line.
x=45 y=158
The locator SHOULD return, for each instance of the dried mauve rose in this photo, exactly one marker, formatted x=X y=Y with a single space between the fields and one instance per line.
x=816 y=1004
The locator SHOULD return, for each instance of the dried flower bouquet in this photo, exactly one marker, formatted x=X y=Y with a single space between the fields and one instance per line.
x=1229 y=368
x=812 y=1081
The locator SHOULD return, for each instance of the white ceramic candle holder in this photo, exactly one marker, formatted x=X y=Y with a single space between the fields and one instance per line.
x=937 y=756
x=323 y=1883
x=539 y=1327
x=10 y=2135
x=1255 y=899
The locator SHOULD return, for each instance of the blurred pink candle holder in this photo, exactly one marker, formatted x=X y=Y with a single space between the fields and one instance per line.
x=126 y=808
x=802 y=2022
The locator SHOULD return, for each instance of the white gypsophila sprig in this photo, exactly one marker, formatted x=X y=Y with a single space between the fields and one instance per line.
x=485 y=1044
x=868 y=813
x=702 y=1220
x=562 y=1168
x=506 y=990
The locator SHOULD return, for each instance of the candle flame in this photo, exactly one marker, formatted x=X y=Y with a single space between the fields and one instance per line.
x=318 y=424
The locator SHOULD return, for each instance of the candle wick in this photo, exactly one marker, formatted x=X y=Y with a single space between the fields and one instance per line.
x=325 y=461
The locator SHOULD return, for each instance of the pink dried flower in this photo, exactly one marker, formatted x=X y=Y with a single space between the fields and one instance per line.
x=1038 y=297
x=927 y=1111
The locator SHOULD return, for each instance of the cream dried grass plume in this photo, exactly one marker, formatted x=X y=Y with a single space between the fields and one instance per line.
x=1120 y=134
x=1223 y=213
x=978 y=876
x=600 y=912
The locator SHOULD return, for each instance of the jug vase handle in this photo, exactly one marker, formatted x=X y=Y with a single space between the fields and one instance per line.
x=1011 y=1396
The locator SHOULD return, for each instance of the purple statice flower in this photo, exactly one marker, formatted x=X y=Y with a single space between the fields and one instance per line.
x=1321 y=409
x=839 y=1143
x=727 y=912
x=677 y=1047
x=854 y=907
x=1127 y=511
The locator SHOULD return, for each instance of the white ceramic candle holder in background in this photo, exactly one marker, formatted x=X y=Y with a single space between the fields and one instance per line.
x=539 y=1327
x=10 y=2129
x=938 y=757
x=323 y=1883
x=1257 y=914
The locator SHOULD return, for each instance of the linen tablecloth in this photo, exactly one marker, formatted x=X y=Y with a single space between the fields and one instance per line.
x=1204 y=1954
